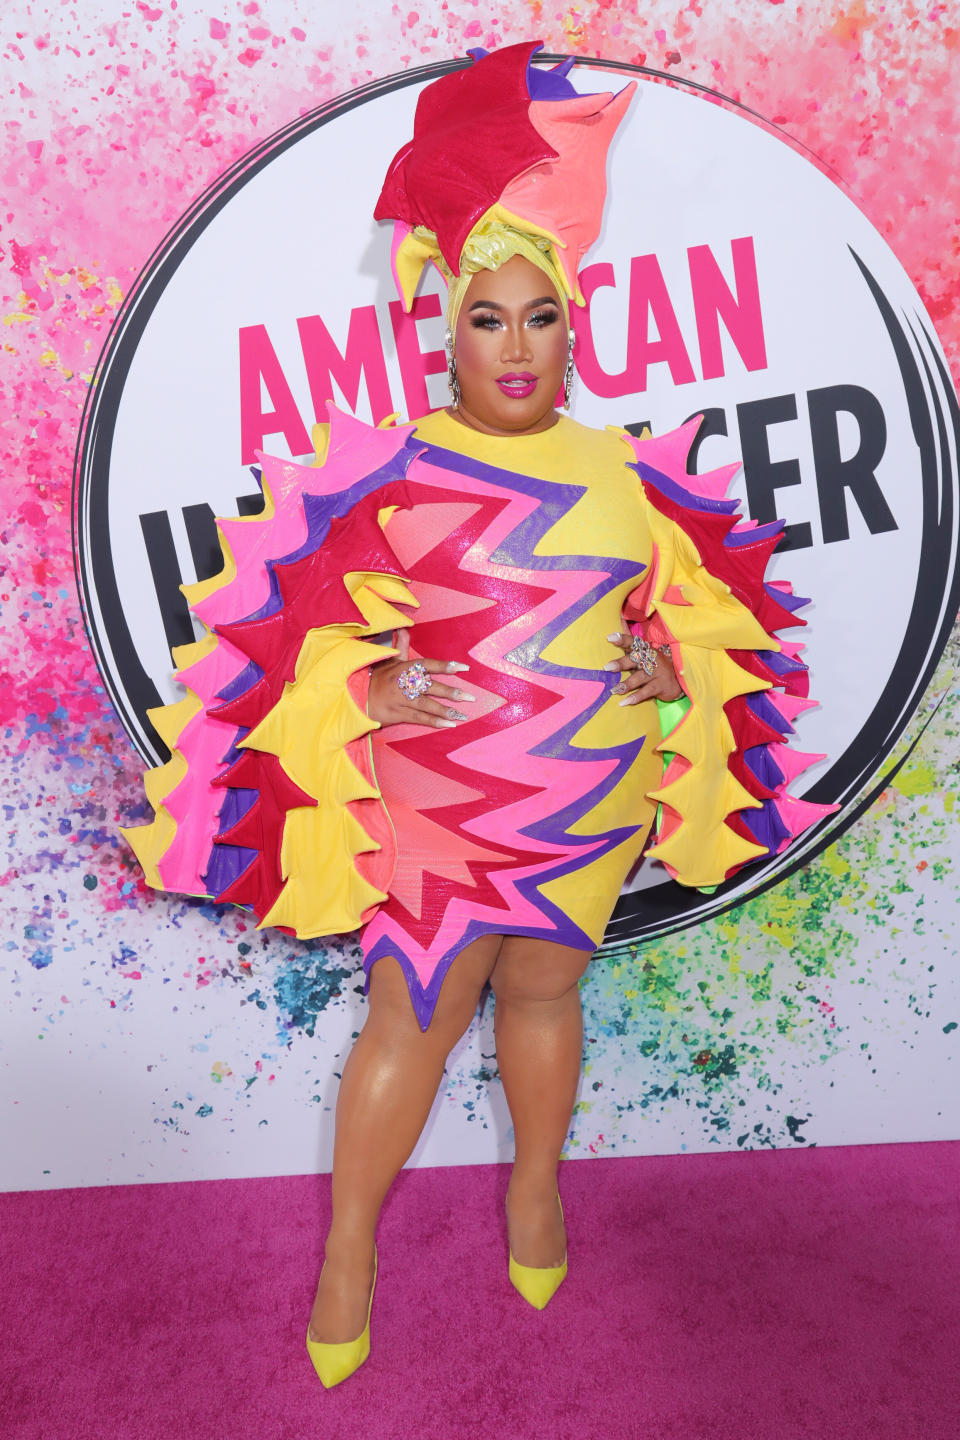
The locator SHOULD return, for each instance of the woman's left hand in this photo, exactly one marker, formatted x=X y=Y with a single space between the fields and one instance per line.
x=636 y=684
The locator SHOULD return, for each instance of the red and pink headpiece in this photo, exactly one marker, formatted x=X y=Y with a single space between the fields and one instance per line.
x=501 y=147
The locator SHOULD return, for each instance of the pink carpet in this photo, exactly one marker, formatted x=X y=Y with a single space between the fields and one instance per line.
x=760 y=1296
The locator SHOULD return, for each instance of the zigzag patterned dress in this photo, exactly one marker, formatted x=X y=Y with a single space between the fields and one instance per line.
x=518 y=556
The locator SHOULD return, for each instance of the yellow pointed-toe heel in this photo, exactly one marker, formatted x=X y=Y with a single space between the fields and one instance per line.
x=336 y=1363
x=538 y=1284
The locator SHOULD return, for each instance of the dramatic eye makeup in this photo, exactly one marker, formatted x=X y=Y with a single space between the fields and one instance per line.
x=488 y=315
x=488 y=321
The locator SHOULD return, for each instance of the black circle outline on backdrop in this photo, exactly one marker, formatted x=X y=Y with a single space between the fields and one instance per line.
x=665 y=907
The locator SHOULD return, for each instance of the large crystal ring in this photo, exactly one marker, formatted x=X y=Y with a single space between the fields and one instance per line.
x=643 y=655
x=414 y=681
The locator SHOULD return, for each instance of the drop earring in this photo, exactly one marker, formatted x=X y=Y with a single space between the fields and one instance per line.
x=452 y=380
x=568 y=373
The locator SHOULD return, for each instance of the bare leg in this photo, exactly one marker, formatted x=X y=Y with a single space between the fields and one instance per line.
x=389 y=1083
x=539 y=1033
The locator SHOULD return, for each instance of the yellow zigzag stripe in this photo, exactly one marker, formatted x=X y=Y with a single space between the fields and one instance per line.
x=151 y=842
x=308 y=730
x=703 y=849
x=200 y=589
x=329 y=656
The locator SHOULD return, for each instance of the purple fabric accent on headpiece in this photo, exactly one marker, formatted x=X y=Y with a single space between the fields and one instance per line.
x=550 y=84
x=542 y=84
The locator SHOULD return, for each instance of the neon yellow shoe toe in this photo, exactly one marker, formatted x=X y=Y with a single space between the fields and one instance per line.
x=538 y=1284
x=335 y=1363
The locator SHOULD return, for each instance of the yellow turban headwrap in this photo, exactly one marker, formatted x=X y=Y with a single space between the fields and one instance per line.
x=493 y=241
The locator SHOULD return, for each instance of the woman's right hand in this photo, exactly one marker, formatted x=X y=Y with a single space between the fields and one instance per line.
x=439 y=706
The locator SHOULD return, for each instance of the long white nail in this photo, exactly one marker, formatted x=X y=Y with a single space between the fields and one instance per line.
x=628 y=701
x=614 y=638
x=462 y=695
x=612 y=665
x=446 y=724
x=455 y=668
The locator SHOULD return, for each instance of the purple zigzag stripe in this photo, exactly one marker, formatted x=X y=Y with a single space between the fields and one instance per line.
x=517 y=549
x=226 y=862
x=321 y=510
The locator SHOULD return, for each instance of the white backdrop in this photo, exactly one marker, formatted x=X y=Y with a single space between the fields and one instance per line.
x=180 y=1044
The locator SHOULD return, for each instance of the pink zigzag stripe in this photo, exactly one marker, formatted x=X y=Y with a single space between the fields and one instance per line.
x=561 y=780
x=194 y=803
x=668 y=454
x=355 y=450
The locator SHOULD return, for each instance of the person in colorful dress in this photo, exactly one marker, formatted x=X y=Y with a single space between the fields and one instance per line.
x=472 y=795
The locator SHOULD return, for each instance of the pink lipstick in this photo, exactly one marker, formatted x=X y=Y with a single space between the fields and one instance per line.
x=518 y=386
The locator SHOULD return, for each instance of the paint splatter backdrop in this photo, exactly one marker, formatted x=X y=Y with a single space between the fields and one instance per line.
x=146 y=1037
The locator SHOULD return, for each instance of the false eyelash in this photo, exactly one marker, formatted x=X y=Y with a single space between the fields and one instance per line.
x=540 y=318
